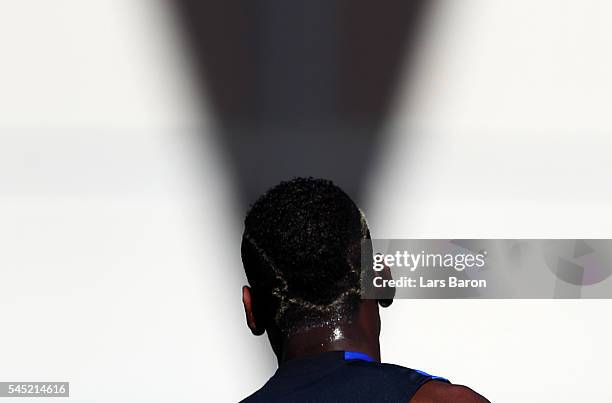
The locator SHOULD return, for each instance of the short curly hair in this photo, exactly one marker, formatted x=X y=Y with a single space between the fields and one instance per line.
x=301 y=253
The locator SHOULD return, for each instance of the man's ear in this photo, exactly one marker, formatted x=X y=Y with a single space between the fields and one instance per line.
x=247 y=301
x=388 y=293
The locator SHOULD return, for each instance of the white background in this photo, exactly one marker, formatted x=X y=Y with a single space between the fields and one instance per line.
x=119 y=264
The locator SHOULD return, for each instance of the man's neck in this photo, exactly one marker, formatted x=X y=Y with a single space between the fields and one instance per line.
x=317 y=340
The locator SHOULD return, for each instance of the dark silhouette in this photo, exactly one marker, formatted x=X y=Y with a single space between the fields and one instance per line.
x=301 y=250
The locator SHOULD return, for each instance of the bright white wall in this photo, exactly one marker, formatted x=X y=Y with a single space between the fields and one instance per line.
x=120 y=269
x=503 y=130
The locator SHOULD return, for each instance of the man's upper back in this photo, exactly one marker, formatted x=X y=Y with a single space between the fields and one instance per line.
x=339 y=377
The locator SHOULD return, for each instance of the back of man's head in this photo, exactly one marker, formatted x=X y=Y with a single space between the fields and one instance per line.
x=301 y=254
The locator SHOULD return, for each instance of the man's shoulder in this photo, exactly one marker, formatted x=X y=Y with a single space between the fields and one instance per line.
x=442 y=392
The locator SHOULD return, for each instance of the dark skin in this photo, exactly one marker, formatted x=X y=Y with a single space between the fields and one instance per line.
x=360 y=333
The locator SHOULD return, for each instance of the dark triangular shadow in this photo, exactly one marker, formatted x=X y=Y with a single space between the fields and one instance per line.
x=299 y=88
